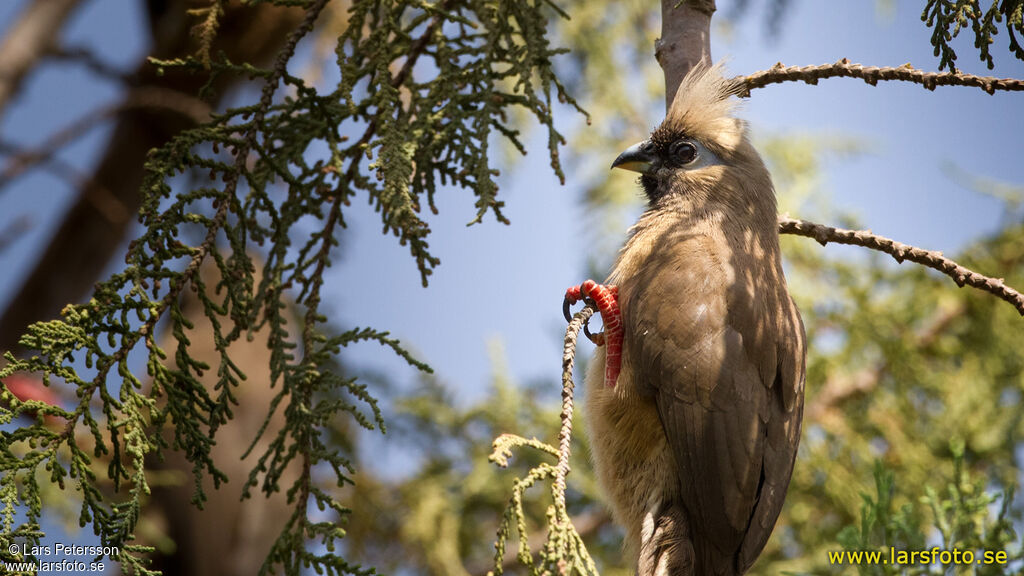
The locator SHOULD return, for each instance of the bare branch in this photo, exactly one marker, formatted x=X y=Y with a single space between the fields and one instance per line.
x=900 y=252
x=88 y=59
x=572 y=332
x=146 y=97
x=96 y=195
x=14 y=230
x=685 y=40
x=30 y=38
x=872 y=75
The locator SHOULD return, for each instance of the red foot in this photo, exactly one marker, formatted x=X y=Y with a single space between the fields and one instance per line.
x=606 y=298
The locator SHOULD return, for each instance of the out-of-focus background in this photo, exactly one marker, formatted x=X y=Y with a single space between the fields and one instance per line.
x=940 y=170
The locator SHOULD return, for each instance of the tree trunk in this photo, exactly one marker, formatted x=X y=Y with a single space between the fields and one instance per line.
x=685 y=40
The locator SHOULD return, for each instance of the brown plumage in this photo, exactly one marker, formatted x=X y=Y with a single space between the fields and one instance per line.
x=694 y=444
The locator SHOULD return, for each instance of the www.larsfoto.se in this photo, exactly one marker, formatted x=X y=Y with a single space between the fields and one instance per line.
x=918 y=557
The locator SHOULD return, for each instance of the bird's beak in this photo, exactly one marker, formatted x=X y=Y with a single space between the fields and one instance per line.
x=635 y=158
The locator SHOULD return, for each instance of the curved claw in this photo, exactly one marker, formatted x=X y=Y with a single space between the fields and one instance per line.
x=586 y=331
x=573 y=295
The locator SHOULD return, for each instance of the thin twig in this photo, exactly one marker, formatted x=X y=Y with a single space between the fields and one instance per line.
x=14 y=230
x=572 y=332
x=91 y=61
x=900 y=252
x=150 y=97
x=872 y=75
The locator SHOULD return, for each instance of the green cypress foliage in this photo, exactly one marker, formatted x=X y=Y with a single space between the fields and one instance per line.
x=424 y=87
x=948 y=17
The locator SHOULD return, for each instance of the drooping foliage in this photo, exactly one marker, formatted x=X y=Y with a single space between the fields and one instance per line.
x=948 y=18
x=912 y=425
x=425 y=88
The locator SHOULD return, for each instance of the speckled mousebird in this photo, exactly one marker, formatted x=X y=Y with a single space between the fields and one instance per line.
x=695 y=400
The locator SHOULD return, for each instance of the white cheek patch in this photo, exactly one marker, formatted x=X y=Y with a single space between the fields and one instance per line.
x=704 y=159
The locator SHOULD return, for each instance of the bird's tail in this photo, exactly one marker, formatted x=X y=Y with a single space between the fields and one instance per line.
x=666 y=544
x=669 y=548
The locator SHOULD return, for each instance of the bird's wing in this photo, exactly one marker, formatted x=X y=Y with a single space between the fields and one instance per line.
x=783 y=433
x=713 y=371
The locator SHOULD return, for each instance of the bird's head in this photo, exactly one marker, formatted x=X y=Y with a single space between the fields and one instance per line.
x=700 y=155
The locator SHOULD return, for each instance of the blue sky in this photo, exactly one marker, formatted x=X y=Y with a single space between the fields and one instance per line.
x=505 y=283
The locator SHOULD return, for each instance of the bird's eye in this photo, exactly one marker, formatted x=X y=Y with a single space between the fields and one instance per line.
x=683 y=152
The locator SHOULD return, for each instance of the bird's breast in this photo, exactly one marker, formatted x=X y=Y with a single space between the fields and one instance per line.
x=631 y=455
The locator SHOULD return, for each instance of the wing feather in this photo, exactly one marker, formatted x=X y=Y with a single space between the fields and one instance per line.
x=726 y=390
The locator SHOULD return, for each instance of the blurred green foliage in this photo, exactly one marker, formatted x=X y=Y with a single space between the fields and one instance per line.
x=423 y=89
x=915 y=394
x=915 y=389
x=912 y=427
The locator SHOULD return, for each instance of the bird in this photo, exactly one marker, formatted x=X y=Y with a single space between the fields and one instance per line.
x=695 y=400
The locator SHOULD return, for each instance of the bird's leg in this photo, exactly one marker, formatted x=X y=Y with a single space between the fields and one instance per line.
x=606 y=300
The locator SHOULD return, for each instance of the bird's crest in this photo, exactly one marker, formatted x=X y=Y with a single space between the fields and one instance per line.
x=703 y=108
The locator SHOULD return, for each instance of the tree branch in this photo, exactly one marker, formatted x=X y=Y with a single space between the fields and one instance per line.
x=14 y=230
x=104 y=202
x=900 y=252
x=146 y=97
x=572 y=332
x=416 y=50
x=872 y=75
x=685 y=40
x=30 y=38
x=86 y=239
x=88 y=59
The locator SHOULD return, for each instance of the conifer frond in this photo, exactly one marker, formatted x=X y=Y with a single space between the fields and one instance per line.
x=947 y=18
x=424 y=86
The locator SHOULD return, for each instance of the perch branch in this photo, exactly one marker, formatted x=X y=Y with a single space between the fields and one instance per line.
x=900 y=252
x=572 y=332
x=871 y=74
x=563 y=551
